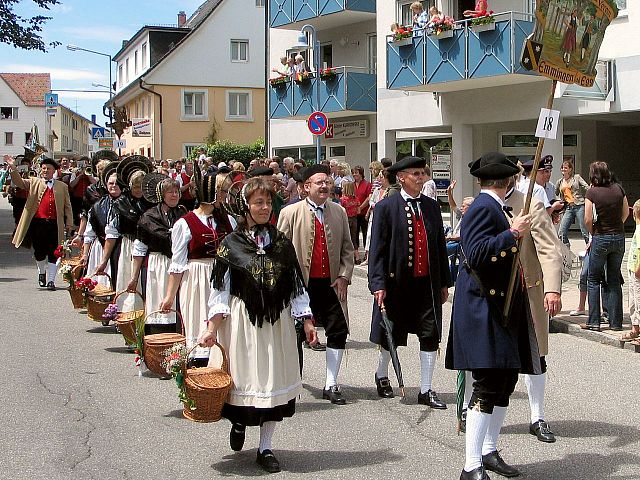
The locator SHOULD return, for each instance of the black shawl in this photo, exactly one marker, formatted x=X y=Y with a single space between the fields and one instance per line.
x=154 y=225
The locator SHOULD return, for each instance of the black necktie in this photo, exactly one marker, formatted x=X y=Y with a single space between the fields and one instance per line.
x=507 y=209
x=415 y=205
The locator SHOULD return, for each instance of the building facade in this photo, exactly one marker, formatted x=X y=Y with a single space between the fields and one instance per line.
x=70 y=134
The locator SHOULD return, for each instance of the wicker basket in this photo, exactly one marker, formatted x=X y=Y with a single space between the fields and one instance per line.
x=155 y=345
x=208 y=388
x=98 y=299
x=126 y=321
x=77 y=299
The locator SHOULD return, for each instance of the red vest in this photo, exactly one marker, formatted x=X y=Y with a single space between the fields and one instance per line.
x=80 y=188
x=186 y=179
x=320 y=256
x=421 y=255
x=203 y=242
x=47 y=207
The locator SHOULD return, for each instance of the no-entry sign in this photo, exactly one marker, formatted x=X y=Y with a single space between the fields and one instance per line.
x=317 y=123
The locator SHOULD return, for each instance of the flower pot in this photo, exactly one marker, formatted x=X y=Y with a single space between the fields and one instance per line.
x=487 y=27
x=403 y=42
x=328 y=78
x=441 y=35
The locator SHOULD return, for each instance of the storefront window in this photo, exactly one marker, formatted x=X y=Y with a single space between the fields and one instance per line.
x=404 y=148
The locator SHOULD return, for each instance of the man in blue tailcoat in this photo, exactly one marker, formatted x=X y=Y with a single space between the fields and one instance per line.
x=408 y=271
x=494 y=347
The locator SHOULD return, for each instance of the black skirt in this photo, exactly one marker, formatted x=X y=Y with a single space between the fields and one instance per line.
x=253 y=417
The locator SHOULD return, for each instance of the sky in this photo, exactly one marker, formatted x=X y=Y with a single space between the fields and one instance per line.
x=95 y=25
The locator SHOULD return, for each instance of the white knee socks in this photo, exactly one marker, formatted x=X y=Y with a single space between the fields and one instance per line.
x=334 y=358
x=535 y=388
x=42 y=266
x=427 y=365
x=477 y=426
x=52 y=270
x=383 y=363
x=266 y=435
x=495 y=424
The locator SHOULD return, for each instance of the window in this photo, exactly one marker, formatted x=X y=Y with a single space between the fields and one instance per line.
x=308 y=154
x=259 y=3
x=239 y=105
x=188 y=148
x=126 y=70
x=326 y=55
x=75 y=124
x=8 y=138
x=337 y=151
x=120 y=76
x=76 y=145
x=622 y=7
x=135 y=62
x=373 y=53
x=239 y=50
x=144 y=55
x=194 y=105
x=405 y=16
x=65 y=141
x=8 y=113
x=374 y=151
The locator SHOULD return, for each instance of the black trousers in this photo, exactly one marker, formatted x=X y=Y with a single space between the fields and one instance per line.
x=44 y=238
x=362 y=224
x=492 y=387
x=327 y=312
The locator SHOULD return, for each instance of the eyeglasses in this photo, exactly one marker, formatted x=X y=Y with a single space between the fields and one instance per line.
x=417 y=173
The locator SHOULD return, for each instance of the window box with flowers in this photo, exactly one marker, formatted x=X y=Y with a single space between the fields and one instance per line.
x=403 y=36
x=328 y=74
x=302 y=77
x=279 y=82
x=442 y=27
x=483 y=24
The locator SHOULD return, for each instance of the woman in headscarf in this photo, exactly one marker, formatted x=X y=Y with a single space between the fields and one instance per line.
x=153 y=241
x=257 y=288
x=194 y=241
x=101 y=238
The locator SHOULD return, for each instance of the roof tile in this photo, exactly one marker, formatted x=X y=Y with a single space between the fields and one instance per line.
x=30 y=87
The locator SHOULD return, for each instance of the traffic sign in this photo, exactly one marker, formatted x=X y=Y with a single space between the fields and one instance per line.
x=317 y=123
x=119 y=144
x=51 y=100
x=97 y=132
x=106 y=142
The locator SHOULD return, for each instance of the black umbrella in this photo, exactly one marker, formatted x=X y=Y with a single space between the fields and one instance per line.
x=387 y=325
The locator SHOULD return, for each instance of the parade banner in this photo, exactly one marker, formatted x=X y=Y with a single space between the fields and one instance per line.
x=567 y=37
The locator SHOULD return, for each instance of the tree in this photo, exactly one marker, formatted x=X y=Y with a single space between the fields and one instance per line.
x=24 y=32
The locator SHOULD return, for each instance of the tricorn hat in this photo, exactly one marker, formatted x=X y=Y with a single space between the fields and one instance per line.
x=493 y=166
x=406 y=163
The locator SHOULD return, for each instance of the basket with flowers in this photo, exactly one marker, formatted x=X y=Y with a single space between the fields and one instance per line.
x=279 y=81
x=174 y=363
x=442 y=27
x=79 y=289
x=328 y=73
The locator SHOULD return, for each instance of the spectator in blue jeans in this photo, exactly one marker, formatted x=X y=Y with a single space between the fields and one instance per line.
x=606 y=209
x=453 y=235
x=571 y=189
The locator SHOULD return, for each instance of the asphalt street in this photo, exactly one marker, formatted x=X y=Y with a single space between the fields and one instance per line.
x=75 y=408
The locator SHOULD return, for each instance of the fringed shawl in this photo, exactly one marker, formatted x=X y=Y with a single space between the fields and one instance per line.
x=266 y=280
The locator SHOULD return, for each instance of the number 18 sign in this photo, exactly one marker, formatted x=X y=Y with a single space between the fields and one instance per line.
x=548 y=123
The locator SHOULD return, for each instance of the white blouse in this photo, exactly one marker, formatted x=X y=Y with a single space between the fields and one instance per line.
x=140 y=248
x=110 y=230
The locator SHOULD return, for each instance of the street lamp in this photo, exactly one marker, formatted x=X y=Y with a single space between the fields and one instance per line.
x=75 y=48
x=313 y=44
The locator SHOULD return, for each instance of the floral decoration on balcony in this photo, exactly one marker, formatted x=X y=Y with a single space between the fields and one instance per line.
x=486 y=20
x=481 y=15
x=328 y=73
x=302 y=77
x=401 y=33
x=279 y=81
x=441 y=24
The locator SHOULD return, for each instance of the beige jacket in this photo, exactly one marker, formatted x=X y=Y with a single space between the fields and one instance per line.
x=541 y=260
x=297 y=222
x=36 y=188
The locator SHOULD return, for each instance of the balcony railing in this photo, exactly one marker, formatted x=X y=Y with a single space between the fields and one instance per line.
x=285 y=12
x=348 y=89
x=451 y=61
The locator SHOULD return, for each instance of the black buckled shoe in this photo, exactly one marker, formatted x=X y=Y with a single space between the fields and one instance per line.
x=236 y=437
x=268 y=461
x=542 y=430
x=318 y=347
x=494 y=462
x=475 y=474
x=42 y=279
x=51 y=286
x=334 y=394
x=384 y=387
x=430 y=398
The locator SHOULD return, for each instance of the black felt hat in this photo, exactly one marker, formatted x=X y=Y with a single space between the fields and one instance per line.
x=129 y=165
x=493 y=166
x=205 y=185
x=150 y=187
x=406 y=163
x=105 y=155
x=545 y=162
x=261 y=171
x=109 y=170
x=50 y=161
x=297 y=177
x=311 y=170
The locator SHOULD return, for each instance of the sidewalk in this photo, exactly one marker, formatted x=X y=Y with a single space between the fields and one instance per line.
x=563 y=322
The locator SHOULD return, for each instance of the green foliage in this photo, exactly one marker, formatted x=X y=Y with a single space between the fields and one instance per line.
x=225 y=150
x=24 y=32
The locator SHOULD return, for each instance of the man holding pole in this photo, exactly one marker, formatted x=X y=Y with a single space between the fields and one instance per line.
x=495 y=347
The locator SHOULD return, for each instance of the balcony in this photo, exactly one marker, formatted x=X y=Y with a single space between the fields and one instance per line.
x=351 y=90
x=471 y=58
x=321 y=13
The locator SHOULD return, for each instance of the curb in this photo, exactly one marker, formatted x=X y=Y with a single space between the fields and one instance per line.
x=559 y=325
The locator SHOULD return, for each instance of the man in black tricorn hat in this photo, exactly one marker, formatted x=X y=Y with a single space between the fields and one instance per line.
x=409 y=273
x=46 y=214
x=494 y=347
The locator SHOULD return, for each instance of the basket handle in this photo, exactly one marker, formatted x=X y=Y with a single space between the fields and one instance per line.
x=127 y=291
x=225 y=359
x=178 y=314
x=75 y=269
x=96 y=274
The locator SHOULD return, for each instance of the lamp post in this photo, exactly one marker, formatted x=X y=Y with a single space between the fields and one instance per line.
x=314 y=44
x=75 y=48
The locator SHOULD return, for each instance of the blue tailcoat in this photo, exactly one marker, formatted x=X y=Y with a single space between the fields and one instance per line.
x=391 y=256
x=477 y=338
